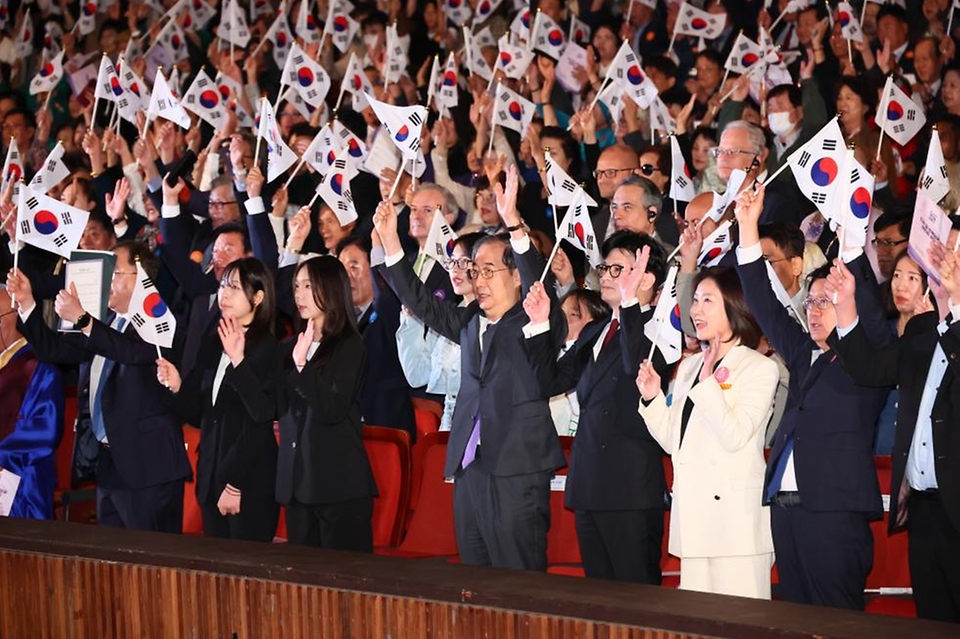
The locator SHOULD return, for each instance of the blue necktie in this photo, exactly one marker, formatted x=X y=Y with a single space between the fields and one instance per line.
x=777 y=478
x=96 y=410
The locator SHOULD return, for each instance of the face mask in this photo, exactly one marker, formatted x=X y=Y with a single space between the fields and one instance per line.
x=780 y=122
x=370 y=40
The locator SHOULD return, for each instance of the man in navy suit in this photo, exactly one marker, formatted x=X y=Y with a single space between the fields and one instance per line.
x=820 y=481
x=124 y=429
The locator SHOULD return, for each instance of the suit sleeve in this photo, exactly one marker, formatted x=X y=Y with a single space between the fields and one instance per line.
x=331 y=389
x=443 y=317
x=414 y=345
x=177 y=233
x=659 y=419
x=263 y=241
x=865 y=363
x=255 y=382
x=869 y=306
x=51 y=346
x=556 y=376
x=783 y=332
x=127 y=349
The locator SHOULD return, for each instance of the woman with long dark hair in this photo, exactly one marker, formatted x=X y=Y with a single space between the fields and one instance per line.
x=714 y=431
x=230 y=395
x=323 y=474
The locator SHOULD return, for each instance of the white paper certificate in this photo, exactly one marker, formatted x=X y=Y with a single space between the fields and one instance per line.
x=930 y=224
x=87 y=276
x=9 y=483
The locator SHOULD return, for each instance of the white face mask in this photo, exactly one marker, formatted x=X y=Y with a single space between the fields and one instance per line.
x=780 y=122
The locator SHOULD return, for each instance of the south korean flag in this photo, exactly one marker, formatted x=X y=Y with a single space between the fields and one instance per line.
x=625 y=71
x=699 y=23
x=306 y=76
x=561 y=188
x=513 y=60
x=340 y=26
x=47 y=223
x=334 y=188
x=512 y=110
x=205 y=100
x=404 y=124
x=716 y=246
x=899 y=116
x=149 y=314
x=816 y=165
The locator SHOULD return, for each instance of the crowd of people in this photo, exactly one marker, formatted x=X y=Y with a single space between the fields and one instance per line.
x=324 y=300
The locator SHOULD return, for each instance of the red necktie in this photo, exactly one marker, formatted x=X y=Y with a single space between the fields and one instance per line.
x=611 y=332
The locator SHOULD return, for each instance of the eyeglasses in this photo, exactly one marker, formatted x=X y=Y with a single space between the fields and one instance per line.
x=648 y=169
x=887 y=244
x=486 y=196
x=609 y=173
x=771 y=260
x=115 y=273
x=613 y=269
x=458 y=263
x=219 y=206
x=820 y=302
x=719 y=152
x=486 y=272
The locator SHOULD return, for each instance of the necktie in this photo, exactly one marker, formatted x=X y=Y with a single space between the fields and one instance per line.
x=470 y=452
x=611 y=332
x=96 y=409
x=418 y=263
x=777 y=478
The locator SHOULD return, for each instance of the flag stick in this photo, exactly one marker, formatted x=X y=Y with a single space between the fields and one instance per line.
x=656 y=335
x=553 y=253
x=316 y=194
x=413 y=172
x=159 y=354
x=777 y=21
x=850 y=49
x=770 y=178
x=493 y=128
x=16 y=245
x=847 y=164
x=293 y=174
x=883 y=112
x=256 y=152
x=863 y=13
x=950 y=20
x=596 y=98
x=340 y=97
x=396 y=181
x=673 y=39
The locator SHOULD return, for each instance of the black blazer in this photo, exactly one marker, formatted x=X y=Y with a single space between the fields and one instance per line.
x=615 y=463
x=518 y=435
x=907 y=362
x=831 y=418
x=322 y=459
x=237 y=444
x=146 y=440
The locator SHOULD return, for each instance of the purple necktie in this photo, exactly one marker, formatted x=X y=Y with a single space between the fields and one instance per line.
x=471 y=451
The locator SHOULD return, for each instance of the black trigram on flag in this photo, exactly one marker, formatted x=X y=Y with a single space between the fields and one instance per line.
x=681 y=182
x=32 y=203
x=138 y=320
x=345 y=134
x=911 y=115
x=348 y=196
x=818 y=197
x=927 y=182
x=502 y=114
x=340 y=164
x=804 y=159
x=162 y=327
x=854 y=176
x=415 y=118
x=414 y=144
x=191 y=99
x=899 y=128
x=52 y=166
x=202 y=82
x=65 y=216
x=60 y=240
x=829 y=145
x=147 y=283
x=943 y=171
x=24 y=227
x=123 y=103
x=298 y=59
x=162 y=104
x=744 y=46
x=312 y=93
x=568 y=185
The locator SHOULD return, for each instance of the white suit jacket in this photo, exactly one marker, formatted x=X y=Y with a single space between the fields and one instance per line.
x=719 y=468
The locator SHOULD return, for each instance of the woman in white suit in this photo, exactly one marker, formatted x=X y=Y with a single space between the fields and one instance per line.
x=714 y=430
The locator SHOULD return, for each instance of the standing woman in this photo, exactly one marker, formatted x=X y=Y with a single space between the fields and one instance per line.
x=323 y=474
x=230 y=394
x=713 y=430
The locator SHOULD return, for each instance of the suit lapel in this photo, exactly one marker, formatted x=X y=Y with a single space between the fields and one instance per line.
x=816 y=369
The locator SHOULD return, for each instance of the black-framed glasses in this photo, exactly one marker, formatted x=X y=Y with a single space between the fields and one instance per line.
x=820 y=302
x=486 y=272
x=887 y=244
x=608 y=173
x=771 y=260
x=648 y=169
x=613 y=269
x=458 y=263
x=217 y=205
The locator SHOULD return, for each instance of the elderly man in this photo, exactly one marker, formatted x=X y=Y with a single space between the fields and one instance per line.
x=614 y=165
x=426 y=199
x=635 y=206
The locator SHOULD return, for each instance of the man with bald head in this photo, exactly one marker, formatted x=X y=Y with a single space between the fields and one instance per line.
x=615 y=164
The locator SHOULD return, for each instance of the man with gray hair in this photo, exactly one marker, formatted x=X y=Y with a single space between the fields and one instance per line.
x=635 y=206
x=427 y=197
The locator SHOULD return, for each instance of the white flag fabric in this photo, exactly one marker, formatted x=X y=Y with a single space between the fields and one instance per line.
x=433 y=84
x=849 y=22
x=149 y=314
x=135 y=96
x=204 y=99
x=722 y=202
x=512 y=110
x=49 y=76
x=280 y=37
x=900 y=117
x=577 y=228
x=485 y=9
x=52 y=172
x=25 y=37
x=47 y=223
x=715 y=246
x=560 y=186
x=259 y=8
x=356 y=83
x=476 y=63
x=233 y=24
x=329 y=142
x=172 y=38
x=681 y=182
x=163 y=104
x=321 y=147
x=816 y=164
x=579 y=30
x=12 y=166
x=612 y=96
x=291 y=97
x=521 y=24
x=306 y=76
x=548 y=36
x=279 y=156
x=935 y=184
x=199 y=13
x=626 y=72
x=404 y=124
x=660 y=118
x=440 y=239
x=458 y=11
x=341 y=27
x=227 y=86
x=448 y=94
x=334 y=188
x=745 y=54
x=699 y=23
x=513 y=60
x=484 y=38
x=396 y=56
x=87 y=22
x=664 y=328
x=850 y=205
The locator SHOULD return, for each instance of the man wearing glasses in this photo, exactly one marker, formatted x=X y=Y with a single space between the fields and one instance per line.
x=892 y=231
x=615 y=164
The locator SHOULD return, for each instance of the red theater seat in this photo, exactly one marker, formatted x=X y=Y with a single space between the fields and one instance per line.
x=563 y=549
x=389 y=452
x=192 y=519
x=427 y=414
x=430 y=532
x=888 y=585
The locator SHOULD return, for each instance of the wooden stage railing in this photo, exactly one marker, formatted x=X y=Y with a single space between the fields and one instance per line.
x=77 y=581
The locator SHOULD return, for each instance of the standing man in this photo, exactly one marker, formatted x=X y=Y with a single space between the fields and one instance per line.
x=503 y=446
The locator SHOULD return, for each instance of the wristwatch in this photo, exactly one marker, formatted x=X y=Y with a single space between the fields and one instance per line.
x=515 y=227
x=83 y=321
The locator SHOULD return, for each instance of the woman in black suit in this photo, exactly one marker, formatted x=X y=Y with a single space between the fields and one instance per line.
x=323 y=475
x=231 y=394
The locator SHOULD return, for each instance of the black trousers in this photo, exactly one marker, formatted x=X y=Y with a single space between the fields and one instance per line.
x=256 y=521
x=501 y=521
x=823 y=558
x=934 y=557
x=345 y=525
x=621 y=545
x=158 y=508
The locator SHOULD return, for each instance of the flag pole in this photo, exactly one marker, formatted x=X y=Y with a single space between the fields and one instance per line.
x=656 y=335
x=16 y=245
x=770 y=178
x=553 y=253
x=293 y=174
x=847 y=165
x=396 y=181
x=256 y=152
x=413 y=172
x=950 y=20
x=883 y=112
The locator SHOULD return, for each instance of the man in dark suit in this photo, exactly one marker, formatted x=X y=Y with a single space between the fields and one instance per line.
x=124 y=429
x=925 y=484
x=503 y=446
x=820 y=481
x=615 y=483
x=385 y=398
